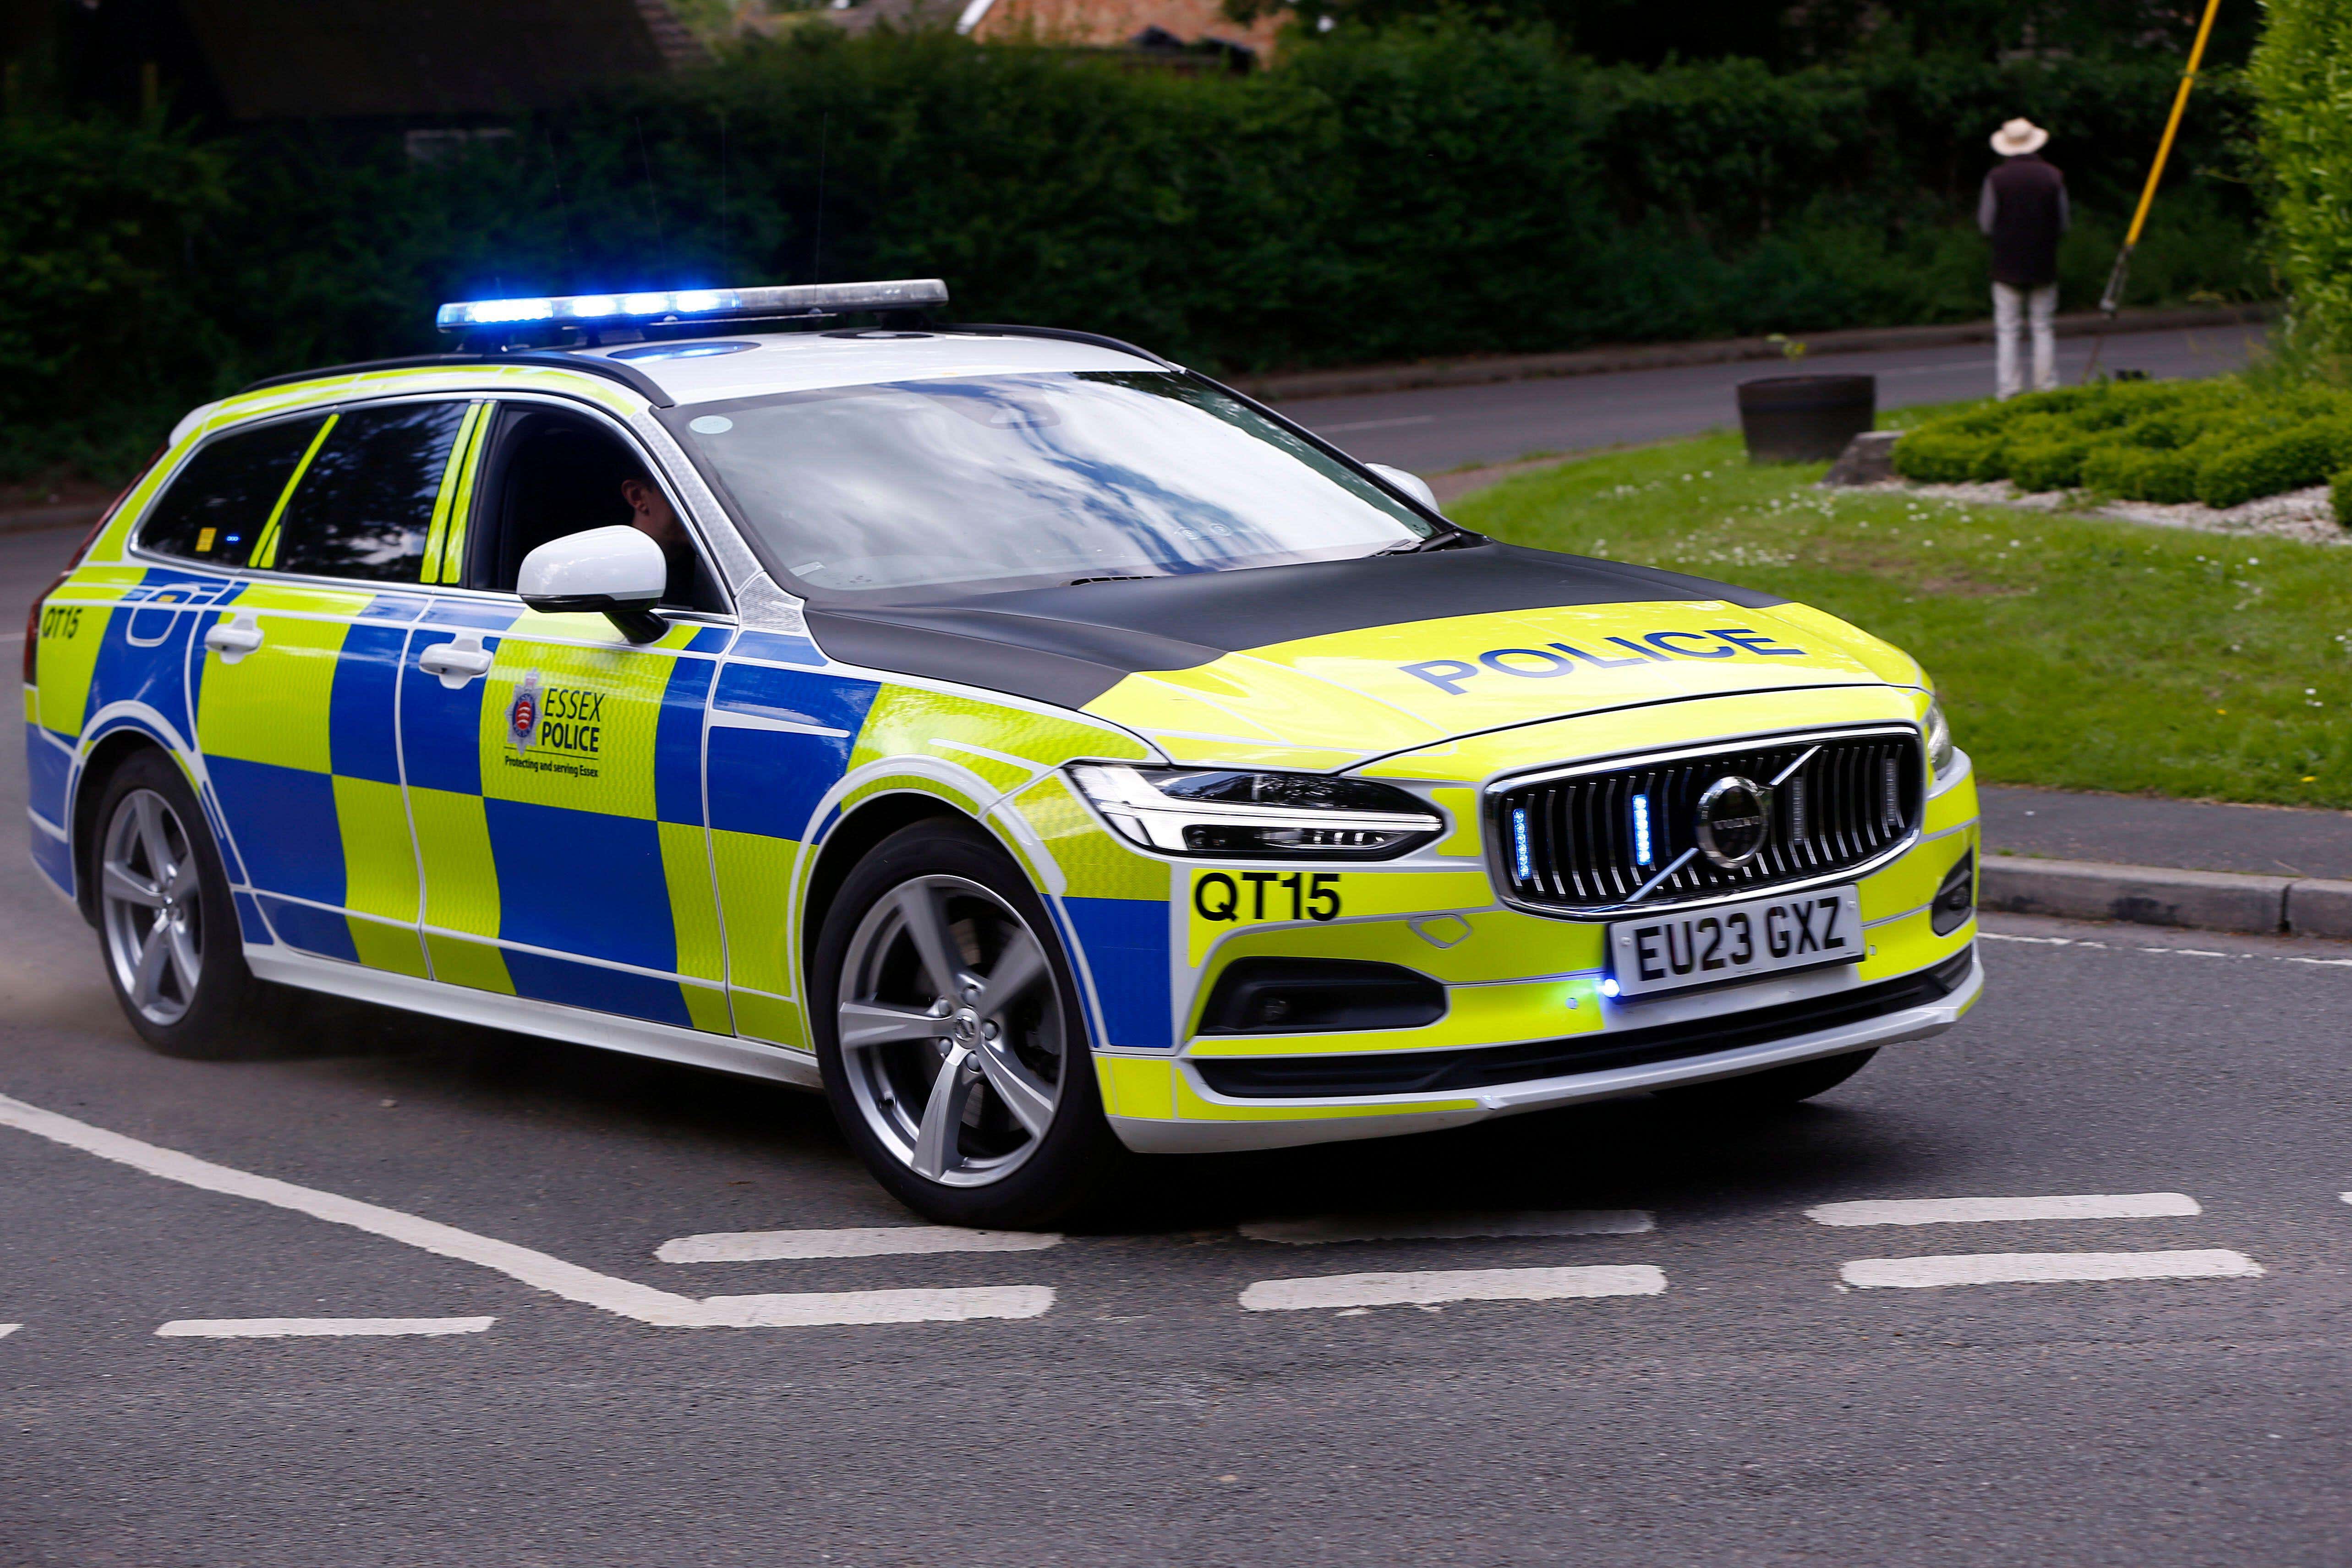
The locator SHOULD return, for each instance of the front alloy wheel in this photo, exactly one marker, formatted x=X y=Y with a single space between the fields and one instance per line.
x=151 y=906
x=950 y=1032
x=947 y=1028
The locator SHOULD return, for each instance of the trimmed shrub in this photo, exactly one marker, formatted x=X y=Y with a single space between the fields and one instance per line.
x=2138 y=474
x=1935 y=455
x=2048 y=464
x=2291 y=459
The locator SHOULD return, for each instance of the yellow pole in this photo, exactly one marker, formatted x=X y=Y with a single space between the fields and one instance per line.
x=2114 y=296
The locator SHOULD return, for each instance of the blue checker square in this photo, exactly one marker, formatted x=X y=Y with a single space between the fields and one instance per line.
x=677 y=742
x=320 y=931
x=283 y=820
x=581 y=882
x=1125 y=945
x=550 y=979
x=360 y=714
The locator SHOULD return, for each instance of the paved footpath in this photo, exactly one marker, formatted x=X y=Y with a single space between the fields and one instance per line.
x=1430 y=430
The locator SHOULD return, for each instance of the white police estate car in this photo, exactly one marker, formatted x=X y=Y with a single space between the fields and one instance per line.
x=1037 y=746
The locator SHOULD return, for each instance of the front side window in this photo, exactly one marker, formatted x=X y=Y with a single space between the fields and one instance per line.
x=987 y=483
x=363 y=507
x=218 y=506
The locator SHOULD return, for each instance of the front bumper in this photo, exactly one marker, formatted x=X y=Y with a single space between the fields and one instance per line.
x=1453 y=1088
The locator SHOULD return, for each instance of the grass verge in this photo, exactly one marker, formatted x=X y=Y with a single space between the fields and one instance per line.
x=2075 y=652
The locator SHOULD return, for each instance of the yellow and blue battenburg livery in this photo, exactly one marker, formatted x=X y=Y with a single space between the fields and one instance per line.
x=1040 y=748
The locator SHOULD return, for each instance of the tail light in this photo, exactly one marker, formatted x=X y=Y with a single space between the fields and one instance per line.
x=33 y=616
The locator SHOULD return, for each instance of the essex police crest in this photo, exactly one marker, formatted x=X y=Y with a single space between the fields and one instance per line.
x=522 y=713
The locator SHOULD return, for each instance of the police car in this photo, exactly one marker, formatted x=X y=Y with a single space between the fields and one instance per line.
x=1042 y=749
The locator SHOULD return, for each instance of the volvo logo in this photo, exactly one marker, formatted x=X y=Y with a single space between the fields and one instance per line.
x=1735 y=822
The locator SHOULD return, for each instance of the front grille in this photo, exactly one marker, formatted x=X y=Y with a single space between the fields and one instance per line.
x=1575 y=844
x=1489 y=1067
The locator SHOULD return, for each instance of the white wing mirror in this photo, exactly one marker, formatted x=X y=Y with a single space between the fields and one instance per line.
x=1413 y=485
x=617 y=573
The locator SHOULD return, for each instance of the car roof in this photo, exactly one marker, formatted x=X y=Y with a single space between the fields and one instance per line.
x=710 y=370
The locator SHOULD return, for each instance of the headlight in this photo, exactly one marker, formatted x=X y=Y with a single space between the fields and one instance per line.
x=1222 y=813
x=1940 y=752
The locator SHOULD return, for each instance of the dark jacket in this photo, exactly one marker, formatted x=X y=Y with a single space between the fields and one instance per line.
x=2023 y=208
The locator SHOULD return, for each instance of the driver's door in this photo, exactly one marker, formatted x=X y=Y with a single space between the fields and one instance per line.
x=554 y=776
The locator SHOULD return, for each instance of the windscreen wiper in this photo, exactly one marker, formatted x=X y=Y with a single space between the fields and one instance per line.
x=1454 y=539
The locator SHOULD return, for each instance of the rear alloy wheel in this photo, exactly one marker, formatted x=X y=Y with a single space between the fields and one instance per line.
x=166 y=922
x=950 y=1036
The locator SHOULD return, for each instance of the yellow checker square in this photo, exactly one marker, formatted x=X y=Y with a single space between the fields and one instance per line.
x=573 y=725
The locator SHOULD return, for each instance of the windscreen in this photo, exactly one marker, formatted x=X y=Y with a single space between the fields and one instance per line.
x=999 y=482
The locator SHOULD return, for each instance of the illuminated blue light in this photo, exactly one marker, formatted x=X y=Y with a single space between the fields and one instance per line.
x=1640 y=830
x=513 y=310
x=645 y=304
x=595 y=305
x=700 y=299
x=1520 y=858
x=1607 y=987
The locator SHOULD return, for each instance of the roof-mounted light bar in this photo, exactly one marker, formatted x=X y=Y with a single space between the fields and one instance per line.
x=693 y=304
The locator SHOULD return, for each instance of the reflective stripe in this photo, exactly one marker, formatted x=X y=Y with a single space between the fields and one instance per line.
x=264 y=551
x=453 y=545
x=452 y=478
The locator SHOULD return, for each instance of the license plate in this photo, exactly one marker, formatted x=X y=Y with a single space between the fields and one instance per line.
x=1736 y=941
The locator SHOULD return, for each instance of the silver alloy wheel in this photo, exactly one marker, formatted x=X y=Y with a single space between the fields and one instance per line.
x=951 y=1031
x=151 y=910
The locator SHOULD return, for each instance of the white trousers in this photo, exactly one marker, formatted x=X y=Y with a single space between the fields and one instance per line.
x=2010 y=305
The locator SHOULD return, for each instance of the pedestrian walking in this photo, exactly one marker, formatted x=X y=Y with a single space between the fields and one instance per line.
x=2023 y=210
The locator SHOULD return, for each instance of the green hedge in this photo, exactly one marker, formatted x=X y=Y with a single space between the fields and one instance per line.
x=1420 y=193
x=2220 y=441
x=2304 y=101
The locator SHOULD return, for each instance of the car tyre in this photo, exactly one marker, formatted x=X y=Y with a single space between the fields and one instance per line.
x=948 y=1028
x=167 y=926
x=1775 y=1086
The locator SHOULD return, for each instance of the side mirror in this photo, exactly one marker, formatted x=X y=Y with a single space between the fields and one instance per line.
x=1413 y=485
x=616 y=572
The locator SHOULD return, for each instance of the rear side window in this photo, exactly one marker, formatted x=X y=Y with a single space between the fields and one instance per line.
x=364 y=506
x=215 y=510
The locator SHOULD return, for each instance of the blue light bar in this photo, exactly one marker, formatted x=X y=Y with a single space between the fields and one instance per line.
x=1640 y=830
x=694 y=304
x=1521 y=861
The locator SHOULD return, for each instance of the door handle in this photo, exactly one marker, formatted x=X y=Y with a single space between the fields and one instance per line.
x=235 y=638
x=458 y=662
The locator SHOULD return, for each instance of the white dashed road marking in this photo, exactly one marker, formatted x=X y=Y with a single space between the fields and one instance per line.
x=1956 y=1210
x=1451 y=1227
x=820 y=1308
x=873 y=1241
x=568 y=1281
x=2176 y=952
x=324 y=1328
x=1434 y=1286
x=2039 y=1268
x=7 y=1329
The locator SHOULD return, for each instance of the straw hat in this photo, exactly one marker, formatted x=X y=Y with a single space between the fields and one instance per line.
x=2018 y=138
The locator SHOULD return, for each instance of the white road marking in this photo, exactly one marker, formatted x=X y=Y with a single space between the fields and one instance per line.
x=1956 y=1210
x=2038 y=1268
x=820 y=1308
x=291 y=1328
x=1984 y=936
x=7 y=1329
x=1431 y=1287
x=568 y=1280
x=871 y=1241
x=1438 y=1226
